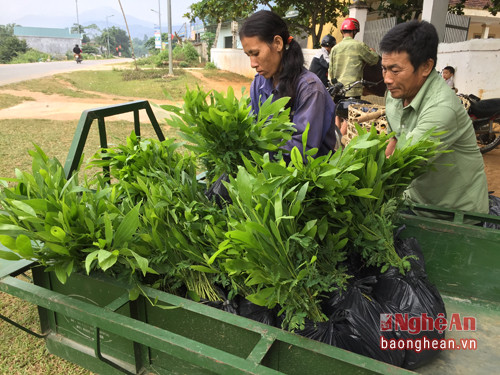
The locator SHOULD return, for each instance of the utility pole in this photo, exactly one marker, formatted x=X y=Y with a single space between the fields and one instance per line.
x=107 y=30
x=169 y=12
x=159 y=23
x=77 y=18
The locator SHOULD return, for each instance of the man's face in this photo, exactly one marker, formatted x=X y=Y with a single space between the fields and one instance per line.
x=264 y=58
x=402 y=80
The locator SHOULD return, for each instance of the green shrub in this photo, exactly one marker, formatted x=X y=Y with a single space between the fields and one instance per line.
x=161 y=59
x=185 y=53
x=210 y=65
x=30 y=56
x=90 y=49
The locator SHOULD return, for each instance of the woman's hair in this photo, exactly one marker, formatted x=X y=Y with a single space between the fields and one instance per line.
x=266 y=25
x=417 y=38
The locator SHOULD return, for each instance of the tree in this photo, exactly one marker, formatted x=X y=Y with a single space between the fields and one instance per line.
x=405 y=10
x=117 y=38
x=10 y=46
x=312 y=16
x=212 y=12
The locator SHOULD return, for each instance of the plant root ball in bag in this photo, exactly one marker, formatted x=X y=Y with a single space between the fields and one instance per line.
x=414 y=295
x=494 y=210
x=355 y=323
x=258 y=313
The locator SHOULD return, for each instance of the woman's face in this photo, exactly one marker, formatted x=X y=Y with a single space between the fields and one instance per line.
x=264 y=58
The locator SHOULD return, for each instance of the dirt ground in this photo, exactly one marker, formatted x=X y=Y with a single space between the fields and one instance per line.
x=57 y=107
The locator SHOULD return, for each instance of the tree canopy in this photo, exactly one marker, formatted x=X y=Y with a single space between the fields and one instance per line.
x=10 y=45
x=312 y=15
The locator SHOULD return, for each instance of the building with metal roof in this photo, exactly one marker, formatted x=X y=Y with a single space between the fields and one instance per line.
x=54 y=41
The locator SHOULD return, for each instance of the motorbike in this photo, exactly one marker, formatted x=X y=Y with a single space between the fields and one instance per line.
x=338 y=92
x=485 y=116
x=78 y=58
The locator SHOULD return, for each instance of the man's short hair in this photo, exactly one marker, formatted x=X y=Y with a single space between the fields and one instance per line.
x=419 y=39
x=450 y=69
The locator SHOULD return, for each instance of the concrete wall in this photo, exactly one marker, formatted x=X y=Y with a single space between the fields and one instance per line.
x=236 y=61
x=477 y=66
x=54 y=46
x=476 y=61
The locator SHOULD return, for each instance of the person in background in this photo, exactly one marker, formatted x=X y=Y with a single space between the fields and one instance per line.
x=448 y=74
x=419 y=100
x=347 y=60
x=77 y=51
x=321 y=61
x=279 y=62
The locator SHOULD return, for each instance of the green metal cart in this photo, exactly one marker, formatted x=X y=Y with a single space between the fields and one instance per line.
x=91 y=321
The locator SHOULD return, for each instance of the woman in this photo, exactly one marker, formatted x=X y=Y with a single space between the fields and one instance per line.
x=279 y=63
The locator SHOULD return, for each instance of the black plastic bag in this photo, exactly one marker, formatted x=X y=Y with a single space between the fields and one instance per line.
x=218 y=191
x=494 y=210
x=355 y=323
x=255 y=312
x=405 y=300
x=409 y=247
x=225 y=304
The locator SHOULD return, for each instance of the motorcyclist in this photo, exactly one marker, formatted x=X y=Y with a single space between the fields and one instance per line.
x=347 y=60
x=321 y=61
x=78 y=52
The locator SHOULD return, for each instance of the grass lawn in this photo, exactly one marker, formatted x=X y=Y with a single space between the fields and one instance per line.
x=7 y=100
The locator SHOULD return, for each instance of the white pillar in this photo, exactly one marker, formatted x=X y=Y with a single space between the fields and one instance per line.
x=359 y=10
x=434 y=11
x=486 y=31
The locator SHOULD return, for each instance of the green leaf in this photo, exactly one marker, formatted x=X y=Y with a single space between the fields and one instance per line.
x=89 y=259
x=142 y=262
x=134 y=293
x=57 y=248
x=60 y=272
x=127 y=228
x=261 y=297
x=23 y=246
x=365 y=144
x=8 y=241
x=108 y=230
x=10 y=228
x=244 y=186
x=9 y=255
x=24 y=207
x=58 y=233
x=106 y=259
x=276 y=169
x=296 y=158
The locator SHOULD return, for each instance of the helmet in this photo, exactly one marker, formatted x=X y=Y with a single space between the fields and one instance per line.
x=328 y=41
x=350 y=24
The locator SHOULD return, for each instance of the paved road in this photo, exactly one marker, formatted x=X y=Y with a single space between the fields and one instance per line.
x=10 y=73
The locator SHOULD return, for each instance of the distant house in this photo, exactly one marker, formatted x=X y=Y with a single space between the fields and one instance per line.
x=49 y=40
x=483 y=25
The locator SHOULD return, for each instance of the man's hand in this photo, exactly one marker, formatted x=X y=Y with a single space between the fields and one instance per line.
x=391 y=145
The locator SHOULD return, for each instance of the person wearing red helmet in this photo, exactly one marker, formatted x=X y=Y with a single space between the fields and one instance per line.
x=348 y=58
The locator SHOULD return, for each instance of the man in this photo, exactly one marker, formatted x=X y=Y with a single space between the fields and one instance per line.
x=321 y=61
x=348 y=58
x=418 y=100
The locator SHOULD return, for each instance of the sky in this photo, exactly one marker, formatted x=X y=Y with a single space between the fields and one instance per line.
x=12 y=10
